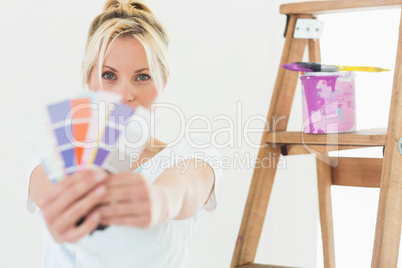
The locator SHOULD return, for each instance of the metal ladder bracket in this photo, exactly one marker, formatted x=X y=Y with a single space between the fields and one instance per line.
x=308 y=29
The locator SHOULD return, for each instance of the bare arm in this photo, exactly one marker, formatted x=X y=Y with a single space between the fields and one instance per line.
x=39 y=183
x=186 y=188
x=178 y=193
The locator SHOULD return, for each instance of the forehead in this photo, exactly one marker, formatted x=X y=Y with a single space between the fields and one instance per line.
x=126 y=52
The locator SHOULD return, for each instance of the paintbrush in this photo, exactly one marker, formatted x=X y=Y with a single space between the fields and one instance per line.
x=318 y=67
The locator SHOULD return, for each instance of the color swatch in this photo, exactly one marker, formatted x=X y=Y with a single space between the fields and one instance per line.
x=43 y=143
x=91 y=131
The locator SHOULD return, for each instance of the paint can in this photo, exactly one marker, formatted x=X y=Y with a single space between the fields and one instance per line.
x=328 y=102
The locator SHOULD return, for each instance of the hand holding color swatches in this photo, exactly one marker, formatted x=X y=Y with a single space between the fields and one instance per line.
x=94 y=130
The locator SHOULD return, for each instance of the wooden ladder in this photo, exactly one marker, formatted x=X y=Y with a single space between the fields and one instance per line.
x=385 y=173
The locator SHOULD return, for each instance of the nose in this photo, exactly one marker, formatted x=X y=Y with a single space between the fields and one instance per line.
x=127 y=94
x=128 y=97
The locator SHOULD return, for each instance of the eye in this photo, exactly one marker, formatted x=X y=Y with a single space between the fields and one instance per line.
x=108 y=75
x=143 y=77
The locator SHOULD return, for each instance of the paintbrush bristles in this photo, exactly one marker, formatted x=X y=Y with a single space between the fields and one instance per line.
x=318 y=67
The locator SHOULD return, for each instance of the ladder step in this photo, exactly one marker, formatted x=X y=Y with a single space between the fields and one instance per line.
x=255 y=265
x=329 y=7
x=360 y=172
x=370 y=137
x=296 y=149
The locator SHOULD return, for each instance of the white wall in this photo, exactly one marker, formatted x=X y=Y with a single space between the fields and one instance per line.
x=361 y=38
x=225 y=54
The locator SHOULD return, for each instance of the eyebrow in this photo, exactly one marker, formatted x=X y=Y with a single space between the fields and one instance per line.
x=114 y=70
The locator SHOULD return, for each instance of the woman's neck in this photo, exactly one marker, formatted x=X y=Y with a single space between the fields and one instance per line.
x=152 y=148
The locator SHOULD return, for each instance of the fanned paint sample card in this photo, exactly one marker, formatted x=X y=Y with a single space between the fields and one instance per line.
x=93 y=130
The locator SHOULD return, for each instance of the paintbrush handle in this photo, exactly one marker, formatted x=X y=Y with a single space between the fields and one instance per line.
x=362 y=69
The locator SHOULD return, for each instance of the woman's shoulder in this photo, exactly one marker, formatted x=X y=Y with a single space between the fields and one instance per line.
x=198 y=146
x=195 y=145
x=157 y=146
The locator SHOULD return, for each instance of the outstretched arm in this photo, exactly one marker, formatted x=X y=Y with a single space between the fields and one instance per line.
x=177 y=194
x=194 y=180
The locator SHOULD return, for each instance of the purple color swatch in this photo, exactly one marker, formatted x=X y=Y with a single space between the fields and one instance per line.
x=100 y=156
x=68 y=157
x=110 y=136
x=121 y=113
x=58 y=111
x=64 y=135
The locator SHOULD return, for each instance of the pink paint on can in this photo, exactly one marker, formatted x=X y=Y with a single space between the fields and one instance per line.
x=328 y=102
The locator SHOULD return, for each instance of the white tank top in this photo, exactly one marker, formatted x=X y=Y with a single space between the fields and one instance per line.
x=165 y=245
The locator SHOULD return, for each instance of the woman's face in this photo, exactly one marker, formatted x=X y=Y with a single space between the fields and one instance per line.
x=126 y=71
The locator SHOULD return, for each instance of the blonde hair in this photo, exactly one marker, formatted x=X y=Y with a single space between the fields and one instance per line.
x=127 y=18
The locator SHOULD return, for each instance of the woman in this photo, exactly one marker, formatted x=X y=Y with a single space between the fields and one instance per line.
x=151 y=214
